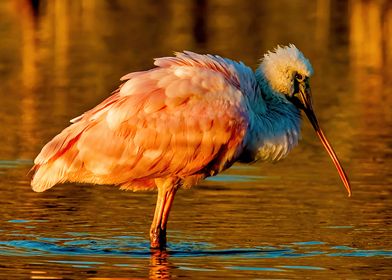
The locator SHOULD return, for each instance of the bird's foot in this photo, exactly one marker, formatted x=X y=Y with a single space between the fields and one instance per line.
x=158 y=239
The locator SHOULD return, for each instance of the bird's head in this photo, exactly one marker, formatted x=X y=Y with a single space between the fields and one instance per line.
x=286 y=71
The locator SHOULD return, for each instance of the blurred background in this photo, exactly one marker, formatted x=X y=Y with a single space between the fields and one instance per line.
x=59 y=58
x=70 y=54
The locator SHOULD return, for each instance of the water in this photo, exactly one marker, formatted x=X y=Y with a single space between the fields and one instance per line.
x=262 y=221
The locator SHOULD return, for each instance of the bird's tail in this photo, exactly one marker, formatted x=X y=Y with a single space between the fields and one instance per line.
x=46 y=176
x=53 y=163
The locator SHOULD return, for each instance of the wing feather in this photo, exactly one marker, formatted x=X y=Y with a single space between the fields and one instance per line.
x=178 y=119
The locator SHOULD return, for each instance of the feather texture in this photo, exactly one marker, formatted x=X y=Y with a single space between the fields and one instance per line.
x=188 y=118
x=174 y=120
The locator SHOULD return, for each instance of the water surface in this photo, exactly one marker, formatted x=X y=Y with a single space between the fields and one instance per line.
x=261 y=221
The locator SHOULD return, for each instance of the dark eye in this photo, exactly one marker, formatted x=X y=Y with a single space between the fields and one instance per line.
x=299 y=77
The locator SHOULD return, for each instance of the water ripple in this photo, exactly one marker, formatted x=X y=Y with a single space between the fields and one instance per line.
x=15 y=163
x=136 y=247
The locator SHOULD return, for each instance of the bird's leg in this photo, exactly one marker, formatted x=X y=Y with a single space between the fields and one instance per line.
x=155 y=230
x=166 y=191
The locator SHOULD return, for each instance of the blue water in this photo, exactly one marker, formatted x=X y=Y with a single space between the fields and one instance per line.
x=84 y=244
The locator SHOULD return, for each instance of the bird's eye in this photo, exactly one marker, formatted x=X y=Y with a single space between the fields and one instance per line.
x=299 y=77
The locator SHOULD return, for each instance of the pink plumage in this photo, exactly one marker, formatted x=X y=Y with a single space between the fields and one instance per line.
x=174 y=120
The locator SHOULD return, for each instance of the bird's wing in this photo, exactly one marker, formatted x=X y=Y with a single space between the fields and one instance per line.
x=173 y=120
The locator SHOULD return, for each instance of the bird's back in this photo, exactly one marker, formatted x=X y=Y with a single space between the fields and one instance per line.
x=186 y=118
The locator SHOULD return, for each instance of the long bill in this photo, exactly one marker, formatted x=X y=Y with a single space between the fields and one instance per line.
x=306 y=101
x=313 y=120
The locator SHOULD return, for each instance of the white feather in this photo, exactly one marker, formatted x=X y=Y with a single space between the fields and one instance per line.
x=279 y=67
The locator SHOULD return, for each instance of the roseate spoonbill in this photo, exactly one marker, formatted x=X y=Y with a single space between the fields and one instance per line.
x=188 y=118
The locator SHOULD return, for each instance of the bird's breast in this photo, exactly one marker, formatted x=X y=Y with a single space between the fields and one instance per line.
x=270 y=145
x=278 y=147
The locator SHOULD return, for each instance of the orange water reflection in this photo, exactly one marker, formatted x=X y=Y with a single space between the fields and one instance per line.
x=59 y=58
x=78 y=50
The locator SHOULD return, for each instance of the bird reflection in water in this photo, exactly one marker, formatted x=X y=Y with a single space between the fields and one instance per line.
x=159 y=268
x=160 y=265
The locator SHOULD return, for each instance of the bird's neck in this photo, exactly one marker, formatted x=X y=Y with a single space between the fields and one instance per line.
x=275 y=102
x=269 y=95
x=276 y=126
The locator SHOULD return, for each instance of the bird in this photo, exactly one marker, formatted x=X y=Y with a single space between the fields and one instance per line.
x=189 y=117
